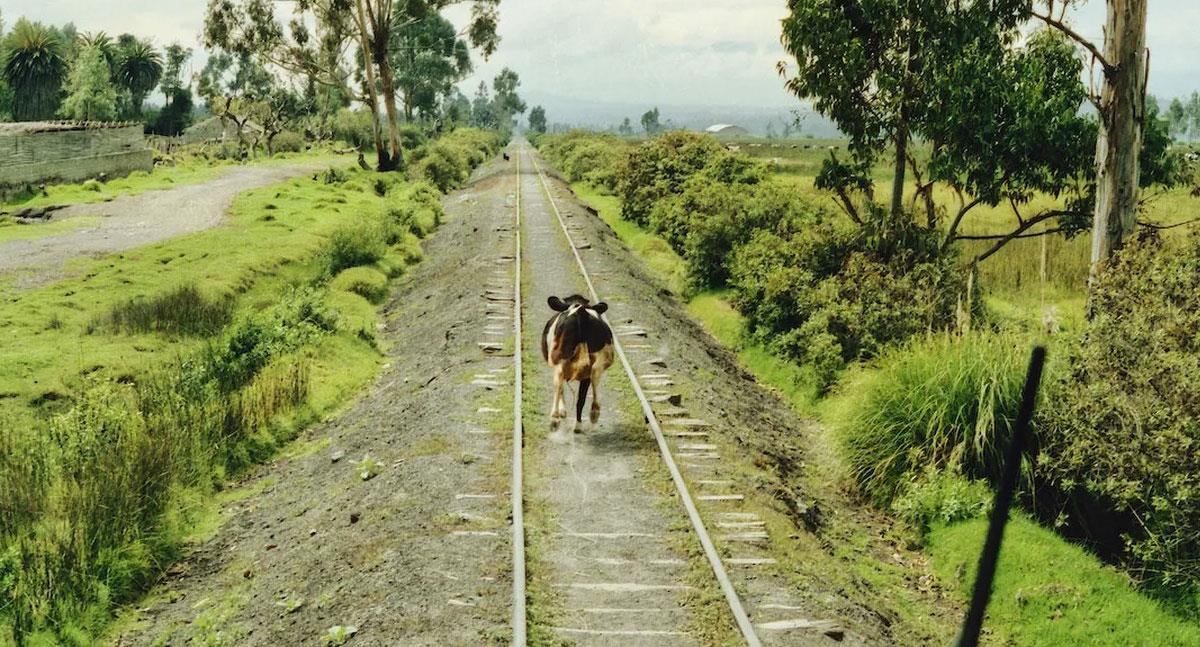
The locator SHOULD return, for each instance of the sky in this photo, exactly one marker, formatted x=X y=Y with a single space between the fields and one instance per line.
x=651 y=52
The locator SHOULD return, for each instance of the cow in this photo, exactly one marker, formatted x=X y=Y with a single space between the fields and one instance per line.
x=578 y=344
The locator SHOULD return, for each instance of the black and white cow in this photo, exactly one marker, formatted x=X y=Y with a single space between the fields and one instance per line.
x=578 y=345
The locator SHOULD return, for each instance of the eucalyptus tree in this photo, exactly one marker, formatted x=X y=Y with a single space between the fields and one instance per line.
x=231 y=85
x=318 y=41
x=90 y=92
x=429 y=58
x=34 y=68
x=138 y=69
x=650 y=122
x=507 y=103
x=537 y=119
x=999 y=108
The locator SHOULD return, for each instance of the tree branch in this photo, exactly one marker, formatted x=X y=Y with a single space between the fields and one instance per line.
x=1159 y=227
x=1066 y=30
x=1019 y=232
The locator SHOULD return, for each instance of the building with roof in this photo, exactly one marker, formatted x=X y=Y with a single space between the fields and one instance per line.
x=726 y=130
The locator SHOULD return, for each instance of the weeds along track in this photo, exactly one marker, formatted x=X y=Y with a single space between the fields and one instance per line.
x=622 y=571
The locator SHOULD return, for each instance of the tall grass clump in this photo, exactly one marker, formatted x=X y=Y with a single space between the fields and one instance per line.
x=943 y=402
x=184 y=310
x=95 y=498
x=363 y=242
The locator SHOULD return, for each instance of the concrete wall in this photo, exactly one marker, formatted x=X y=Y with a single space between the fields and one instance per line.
x=72 y=155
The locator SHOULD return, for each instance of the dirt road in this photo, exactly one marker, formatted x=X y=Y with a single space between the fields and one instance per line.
x=131 y=221
x=421 y=554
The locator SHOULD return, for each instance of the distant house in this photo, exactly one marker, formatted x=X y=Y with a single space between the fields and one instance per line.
x=726 y=130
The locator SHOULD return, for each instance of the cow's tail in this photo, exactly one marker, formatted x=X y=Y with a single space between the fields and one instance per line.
x=583 y=389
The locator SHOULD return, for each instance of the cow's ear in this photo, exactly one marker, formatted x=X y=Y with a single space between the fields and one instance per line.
x=600 y=308
x=556 y=304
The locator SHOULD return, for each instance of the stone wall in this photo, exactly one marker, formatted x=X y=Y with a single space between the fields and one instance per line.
x=32 y=154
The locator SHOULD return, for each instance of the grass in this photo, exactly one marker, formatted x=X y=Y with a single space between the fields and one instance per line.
x=1049 y=592
x=130 y=395
x=942 y=401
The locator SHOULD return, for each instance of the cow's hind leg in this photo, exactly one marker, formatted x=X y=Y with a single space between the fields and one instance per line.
x=557 y=411
x=583 y=390
x=594 y=414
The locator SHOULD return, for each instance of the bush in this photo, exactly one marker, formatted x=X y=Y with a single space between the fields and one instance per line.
x=934 y=499
x=359 y=243
x=288 y=142
x=658 y=168
x=369 y=283
x=184 y=310
x=1122 y=426
x=828 y=293
x=945 y=403
x=353 y=127
x=443 y=165
x=585 y=156
x=417 y=209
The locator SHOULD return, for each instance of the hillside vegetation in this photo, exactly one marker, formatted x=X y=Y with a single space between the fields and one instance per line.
x=134 y=392
x=916 y=366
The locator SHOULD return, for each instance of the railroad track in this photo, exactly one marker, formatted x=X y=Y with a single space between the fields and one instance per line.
x=519 y=620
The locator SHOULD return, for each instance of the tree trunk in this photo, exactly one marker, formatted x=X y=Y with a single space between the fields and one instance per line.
x=384 y=161
x=1122 y=114
x=388 y=86
x=898 y=176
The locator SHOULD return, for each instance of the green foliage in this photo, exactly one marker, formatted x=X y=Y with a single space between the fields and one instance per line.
x=537 y=119
x=90 y=92
x=584 y=156
x=447 y=162
x=932 y=499
x=184 y=310
x=657 y=168
x=289 y=141
x=35 y=66
x=369 y=283
x=138 y=69
x=944 y=402
x=650 y=123
x=824 y=293
x=428 y=58
x=362 y=242
x=353 y=127
x=1120 y=435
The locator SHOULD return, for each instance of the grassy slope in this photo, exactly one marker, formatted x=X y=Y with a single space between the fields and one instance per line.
x=1048 y=592
x=51 y=329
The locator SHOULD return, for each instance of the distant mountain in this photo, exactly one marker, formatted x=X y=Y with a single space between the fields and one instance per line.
x=605 y=115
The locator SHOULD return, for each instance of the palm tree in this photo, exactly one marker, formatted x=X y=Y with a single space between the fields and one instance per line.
x=34 y=69
x=104 y=43
x=139 y=68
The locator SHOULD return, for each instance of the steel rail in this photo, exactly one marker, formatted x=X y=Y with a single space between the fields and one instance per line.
x=518 y=479
x=710 y=550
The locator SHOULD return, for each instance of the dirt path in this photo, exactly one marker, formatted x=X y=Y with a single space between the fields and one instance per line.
x=134 y=220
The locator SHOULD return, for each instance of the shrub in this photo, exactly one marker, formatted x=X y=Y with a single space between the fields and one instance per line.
x=288 y=142
x=1121 y=432
x=360 y=243
x=709 y=218
x=943 y=402
x=353 y=127
x=932 y=499
x=369 y=283
x=417 y=209
x=443 y=165
x=827 y=293
x=658 y=168
x=184 y=310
